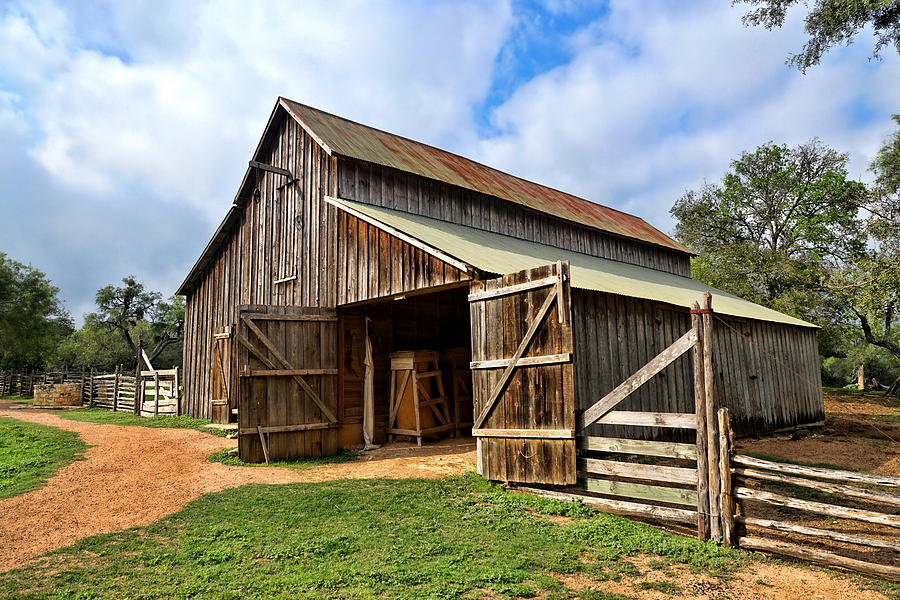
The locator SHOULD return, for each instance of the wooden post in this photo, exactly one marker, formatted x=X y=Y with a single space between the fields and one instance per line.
x=138 y=381
x=91 y=390
x=176 y=391
x=156 y=394
x=712 y=433
x=726 y=500
x=116 y=387
x=700 y=409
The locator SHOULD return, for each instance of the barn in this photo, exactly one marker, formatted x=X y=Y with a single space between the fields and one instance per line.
x=364 y=286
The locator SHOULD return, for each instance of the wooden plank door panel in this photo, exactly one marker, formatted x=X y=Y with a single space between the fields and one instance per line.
x=523 y=388
x=288 y=382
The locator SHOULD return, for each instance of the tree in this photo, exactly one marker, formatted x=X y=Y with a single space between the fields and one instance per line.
x=32 y=317
x=829 y=23
x=769 y=231
x=123 y=309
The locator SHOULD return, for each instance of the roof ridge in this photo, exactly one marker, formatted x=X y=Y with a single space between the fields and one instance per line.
x=472 y=160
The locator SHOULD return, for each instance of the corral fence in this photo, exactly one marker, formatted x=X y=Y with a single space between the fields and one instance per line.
x=737 y=500
x=160 y=390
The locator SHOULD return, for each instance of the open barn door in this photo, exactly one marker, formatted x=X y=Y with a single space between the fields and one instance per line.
x=523 y=390
x=288 y=382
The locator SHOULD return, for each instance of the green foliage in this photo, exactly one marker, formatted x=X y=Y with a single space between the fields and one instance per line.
x=93 y=346
x=134 y=313
x=226 y=458
x=770 y=229
x=30 y=454
x=458 y=537
x=32 y=318
x=106 y=417
x=830 y=23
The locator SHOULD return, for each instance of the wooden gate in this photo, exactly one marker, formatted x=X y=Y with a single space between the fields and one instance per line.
x=222 y=369
x=522 y=382
x=288 y=382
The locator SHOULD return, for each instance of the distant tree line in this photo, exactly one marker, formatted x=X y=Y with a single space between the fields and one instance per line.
x=787 y=228
x=36 y=332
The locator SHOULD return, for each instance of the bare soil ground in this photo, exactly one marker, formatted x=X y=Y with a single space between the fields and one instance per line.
x=135 y=475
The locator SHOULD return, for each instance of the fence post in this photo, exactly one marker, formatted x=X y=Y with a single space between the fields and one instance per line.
x=712 y=442
x=138 y=381
x=116 y=387
x=177 y=392
x=700 y=410
x=156 y=394
x=726 y=502
x=91 y=390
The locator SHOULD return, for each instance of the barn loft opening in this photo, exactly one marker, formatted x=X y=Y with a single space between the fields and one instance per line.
x=421 y=348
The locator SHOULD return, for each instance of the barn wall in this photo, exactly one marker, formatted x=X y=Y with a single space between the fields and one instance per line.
x=288 y=230
x=391 y=188
x=616 y=335
x=374 y=264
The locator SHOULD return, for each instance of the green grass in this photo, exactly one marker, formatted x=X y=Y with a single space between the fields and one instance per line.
x=106 y=417
x=666 y=587
x=447 y=538
x=223 y=456
x=23 y=399
x=31 y=453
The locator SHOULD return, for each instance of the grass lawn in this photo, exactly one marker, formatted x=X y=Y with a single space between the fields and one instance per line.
x=31 y=453
x=106 y=417
x=223 y=456
x=446 y=538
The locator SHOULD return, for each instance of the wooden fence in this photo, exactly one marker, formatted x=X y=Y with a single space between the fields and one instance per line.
x=160 y=390
x=831 y=517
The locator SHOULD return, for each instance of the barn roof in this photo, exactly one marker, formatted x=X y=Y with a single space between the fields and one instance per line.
x=343 y=137
x=500 y=254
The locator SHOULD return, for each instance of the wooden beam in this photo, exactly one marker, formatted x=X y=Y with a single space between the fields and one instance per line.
x=817 y=472
x=837 y=536
x=262 y=441
x=700 y=438
x=514 y=289
x=287 y=428
x=614 y=468
x=808 y=554
x=822 y=486
x=618 y=507
x=642 y=447
x=255 y=164
x=273 y=317
x=551 y=434
x=639 y=378
x=649 y=419
x=288 y=372
x=712 y=425
x=523 y=346
x=726 y=499
x=831 y=510
x=338 y=203
x=546 y=359
x=642 y=491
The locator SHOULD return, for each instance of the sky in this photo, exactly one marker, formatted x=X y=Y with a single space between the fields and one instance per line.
x=125 y=127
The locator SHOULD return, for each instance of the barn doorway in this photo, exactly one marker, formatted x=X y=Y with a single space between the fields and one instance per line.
x=428 y=333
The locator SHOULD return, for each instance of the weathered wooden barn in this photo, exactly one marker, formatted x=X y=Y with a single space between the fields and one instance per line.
x=343 y=238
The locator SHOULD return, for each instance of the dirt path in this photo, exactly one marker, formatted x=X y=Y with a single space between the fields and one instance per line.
x=136 y=475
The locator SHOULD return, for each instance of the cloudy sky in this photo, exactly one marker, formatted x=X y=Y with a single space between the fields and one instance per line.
x=125 y=127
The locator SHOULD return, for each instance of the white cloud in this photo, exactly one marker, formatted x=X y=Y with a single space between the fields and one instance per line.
x=656 y=99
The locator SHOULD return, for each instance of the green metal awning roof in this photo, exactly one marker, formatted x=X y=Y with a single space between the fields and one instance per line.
x=496 y=253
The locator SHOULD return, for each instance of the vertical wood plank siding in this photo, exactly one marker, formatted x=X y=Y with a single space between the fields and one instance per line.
x=287 y=230
x=391 y=188
x=615 y=336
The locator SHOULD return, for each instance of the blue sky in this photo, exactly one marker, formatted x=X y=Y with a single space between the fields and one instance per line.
x=126 y=127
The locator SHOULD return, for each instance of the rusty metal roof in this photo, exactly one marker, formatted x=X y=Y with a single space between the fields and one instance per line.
x=496 y=253
x=343 y=137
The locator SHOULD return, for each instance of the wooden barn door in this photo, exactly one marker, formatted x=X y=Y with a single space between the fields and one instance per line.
x=523 y=391
x=221 y=368
x=288 y=382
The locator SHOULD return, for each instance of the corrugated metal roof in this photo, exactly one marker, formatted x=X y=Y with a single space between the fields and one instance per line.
x=496 y=253
x=347 y=138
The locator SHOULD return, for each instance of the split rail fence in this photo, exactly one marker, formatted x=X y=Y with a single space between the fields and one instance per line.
x=724 y=495
x=160 y=390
